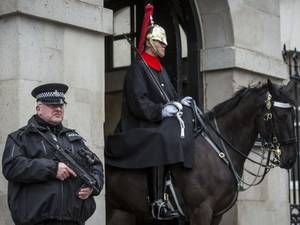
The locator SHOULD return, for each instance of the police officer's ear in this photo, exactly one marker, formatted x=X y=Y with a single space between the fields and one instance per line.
x=37 y=108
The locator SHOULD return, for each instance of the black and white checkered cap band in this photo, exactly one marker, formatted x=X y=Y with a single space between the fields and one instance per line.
x=54 y=94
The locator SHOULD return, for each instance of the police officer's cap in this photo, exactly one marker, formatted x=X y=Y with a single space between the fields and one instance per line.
x=51 y=93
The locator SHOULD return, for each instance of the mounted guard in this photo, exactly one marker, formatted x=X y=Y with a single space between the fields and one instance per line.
x=152 y=133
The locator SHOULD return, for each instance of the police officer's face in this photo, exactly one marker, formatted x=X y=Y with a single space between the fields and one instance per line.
x=53 y=114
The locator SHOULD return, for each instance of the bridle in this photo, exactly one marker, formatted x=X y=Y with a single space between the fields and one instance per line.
x=270 y=139
x=270 y=142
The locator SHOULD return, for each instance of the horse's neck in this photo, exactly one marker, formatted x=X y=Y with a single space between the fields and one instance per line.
x=238 y=128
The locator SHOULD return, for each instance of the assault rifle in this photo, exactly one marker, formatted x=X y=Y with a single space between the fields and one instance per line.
x=63 y=156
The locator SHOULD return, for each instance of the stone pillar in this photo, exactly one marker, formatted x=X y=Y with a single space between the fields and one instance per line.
x=290 y=21
x=53 y=41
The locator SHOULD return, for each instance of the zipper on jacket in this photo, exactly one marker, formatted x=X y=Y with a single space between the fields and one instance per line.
x=44 y=148
x=53 y=136
x=72 y=148
x=13 y=151
x=62 y=199
x=56 y=138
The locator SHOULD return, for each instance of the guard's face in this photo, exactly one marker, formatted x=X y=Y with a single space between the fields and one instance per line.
x=161 y=48
x=52 y=114
x=157 y=48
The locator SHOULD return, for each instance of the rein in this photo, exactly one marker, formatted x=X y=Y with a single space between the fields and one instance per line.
x=271 y=144
x=240 y=180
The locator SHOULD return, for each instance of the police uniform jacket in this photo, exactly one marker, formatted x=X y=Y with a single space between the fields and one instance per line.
x=34 y=192
x=143 y=138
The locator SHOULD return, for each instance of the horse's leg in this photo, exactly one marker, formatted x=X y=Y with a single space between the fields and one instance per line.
x=201 y=215
x=117 y=217
x=216 y=220
x=109 y=214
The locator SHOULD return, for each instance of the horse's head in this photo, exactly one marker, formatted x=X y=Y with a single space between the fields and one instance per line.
x=276 y=123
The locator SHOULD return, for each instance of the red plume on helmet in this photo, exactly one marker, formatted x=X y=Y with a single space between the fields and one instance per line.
x=147 y=17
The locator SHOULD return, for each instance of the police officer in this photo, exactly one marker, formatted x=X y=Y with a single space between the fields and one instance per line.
x=43 y=190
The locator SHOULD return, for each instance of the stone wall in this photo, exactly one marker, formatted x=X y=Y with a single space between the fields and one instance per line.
x=290 y=23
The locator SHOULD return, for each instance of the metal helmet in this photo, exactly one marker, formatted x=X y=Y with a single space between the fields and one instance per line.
x=157 y=33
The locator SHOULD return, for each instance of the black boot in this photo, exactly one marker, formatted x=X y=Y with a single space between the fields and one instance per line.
x=161 y=209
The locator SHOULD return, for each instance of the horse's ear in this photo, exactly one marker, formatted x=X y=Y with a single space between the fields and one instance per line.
x=270 y=85
x=288 y=91
x=274 y=89
x=290 y=87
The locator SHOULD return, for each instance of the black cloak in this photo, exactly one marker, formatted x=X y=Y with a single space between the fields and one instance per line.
x=143 y=138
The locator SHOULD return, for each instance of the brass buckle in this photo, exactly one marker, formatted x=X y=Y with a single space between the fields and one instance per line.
x=267 y=116
x=221 y=155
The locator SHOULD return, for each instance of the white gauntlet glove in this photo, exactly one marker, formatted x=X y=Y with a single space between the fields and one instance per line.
x=171 y=109
x=187 y=101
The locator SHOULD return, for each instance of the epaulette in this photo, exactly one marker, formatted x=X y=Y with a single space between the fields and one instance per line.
x=73 y=135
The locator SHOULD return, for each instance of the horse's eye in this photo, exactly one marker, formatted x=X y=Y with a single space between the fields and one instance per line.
x=282 y=117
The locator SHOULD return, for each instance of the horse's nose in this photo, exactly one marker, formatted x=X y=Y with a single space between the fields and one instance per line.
x=288 y=164
x=291 y=162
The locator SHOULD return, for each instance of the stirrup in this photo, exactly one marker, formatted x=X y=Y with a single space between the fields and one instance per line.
x=169 y=186
x=161 y=210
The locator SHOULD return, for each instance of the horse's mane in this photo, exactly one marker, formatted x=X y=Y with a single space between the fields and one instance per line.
x=228 y=105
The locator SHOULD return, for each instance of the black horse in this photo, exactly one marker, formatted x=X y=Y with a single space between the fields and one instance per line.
x=211 y=187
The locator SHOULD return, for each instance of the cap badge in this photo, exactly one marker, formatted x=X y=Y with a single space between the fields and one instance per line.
x=56 y=94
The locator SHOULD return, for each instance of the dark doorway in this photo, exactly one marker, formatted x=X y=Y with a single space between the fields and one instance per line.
x=182 y=60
